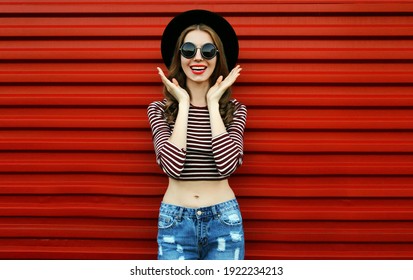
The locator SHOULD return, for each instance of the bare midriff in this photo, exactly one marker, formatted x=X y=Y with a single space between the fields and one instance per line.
x=196 y=194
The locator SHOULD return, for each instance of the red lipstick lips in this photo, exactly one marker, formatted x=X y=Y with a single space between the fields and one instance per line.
x=198 y=69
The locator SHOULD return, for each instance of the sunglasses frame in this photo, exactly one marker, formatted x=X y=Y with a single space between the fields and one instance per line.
x=196 y=50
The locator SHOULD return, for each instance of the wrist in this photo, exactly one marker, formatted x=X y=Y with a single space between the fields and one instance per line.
x=183 y=104
x=213 y=107
x=212 y=103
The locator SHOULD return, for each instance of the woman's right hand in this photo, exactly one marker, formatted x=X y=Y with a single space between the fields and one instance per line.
x=180 y=94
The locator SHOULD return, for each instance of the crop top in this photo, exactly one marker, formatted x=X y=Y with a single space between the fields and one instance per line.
x=205 y=158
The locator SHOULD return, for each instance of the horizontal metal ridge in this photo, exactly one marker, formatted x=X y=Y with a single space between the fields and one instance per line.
x=254 y=141
x=277 y=96
x=173 y=7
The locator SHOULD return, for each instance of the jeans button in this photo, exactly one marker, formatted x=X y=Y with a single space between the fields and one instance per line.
x=199 y=212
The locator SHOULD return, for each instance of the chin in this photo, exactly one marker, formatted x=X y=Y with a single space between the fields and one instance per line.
x=198 y=78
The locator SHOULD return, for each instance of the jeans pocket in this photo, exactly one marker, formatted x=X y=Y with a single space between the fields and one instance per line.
x=165 y=221
x=231 y=217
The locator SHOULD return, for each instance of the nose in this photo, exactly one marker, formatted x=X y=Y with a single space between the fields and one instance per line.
x=198 y=55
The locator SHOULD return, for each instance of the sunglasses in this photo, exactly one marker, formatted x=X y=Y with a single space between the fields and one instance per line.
x=208 y=51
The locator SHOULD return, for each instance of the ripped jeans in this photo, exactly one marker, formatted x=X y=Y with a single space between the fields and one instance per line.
x=207 y=233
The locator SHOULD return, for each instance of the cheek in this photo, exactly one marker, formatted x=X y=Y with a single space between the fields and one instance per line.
x=185 y=64
x=212 y=65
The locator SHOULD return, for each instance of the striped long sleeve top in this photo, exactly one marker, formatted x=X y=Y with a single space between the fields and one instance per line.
x=205 y=158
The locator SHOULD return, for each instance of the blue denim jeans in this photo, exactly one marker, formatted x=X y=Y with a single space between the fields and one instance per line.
x=207 y=233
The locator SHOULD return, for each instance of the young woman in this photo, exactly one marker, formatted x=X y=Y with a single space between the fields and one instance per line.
x=198 y=137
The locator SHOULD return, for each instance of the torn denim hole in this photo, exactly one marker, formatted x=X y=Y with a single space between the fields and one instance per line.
x=179 y=248
x=236 y=254
x=235 y=236
x=233 y=218
x=169 y=239
x=221 y=244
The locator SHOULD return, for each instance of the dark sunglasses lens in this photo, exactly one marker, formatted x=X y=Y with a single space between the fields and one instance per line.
x=208 y=51
x=188 y=50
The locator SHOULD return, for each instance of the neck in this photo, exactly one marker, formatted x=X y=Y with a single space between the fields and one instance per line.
x=198 y=92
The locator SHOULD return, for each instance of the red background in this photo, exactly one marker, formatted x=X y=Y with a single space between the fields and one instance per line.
x=328 y=146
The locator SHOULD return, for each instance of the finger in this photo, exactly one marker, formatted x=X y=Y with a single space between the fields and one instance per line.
x=219 y=80
x=160 y=72
x=164 y=79
x=175 y=82
x=231 y=78
x=237 y=69
x=234 y=73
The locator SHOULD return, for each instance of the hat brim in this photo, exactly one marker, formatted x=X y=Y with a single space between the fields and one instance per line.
x=220 y=25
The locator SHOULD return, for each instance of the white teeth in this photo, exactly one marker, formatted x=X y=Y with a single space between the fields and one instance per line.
x=198 y=68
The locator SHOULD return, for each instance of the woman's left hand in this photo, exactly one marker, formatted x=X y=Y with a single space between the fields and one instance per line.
x=216 y=91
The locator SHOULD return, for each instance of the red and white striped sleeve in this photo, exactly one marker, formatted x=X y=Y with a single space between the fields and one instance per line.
x=228 y=147
x=168 y=156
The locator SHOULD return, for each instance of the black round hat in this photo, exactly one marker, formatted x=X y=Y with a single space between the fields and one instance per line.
x=220 y=25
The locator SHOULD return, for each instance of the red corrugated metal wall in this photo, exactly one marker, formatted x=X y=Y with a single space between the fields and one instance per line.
x=329 y=141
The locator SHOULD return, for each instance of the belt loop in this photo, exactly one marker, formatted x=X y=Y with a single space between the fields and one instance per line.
x=214 y=210
x=179 y=216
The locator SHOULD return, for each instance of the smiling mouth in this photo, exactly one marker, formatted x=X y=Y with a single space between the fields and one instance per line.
x=198 y=69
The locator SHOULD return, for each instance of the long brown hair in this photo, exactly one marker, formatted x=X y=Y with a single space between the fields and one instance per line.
x=226 y=107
